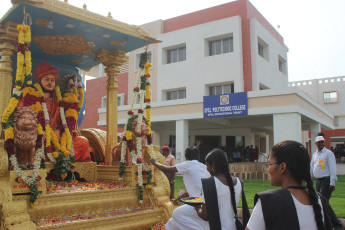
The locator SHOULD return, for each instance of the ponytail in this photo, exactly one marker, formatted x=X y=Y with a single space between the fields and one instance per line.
x=238 y=224
x=314 y=201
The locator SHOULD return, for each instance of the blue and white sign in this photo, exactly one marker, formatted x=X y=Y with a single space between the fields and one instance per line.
x=226 y=105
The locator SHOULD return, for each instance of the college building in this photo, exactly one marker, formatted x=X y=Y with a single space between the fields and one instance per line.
x=219 y=79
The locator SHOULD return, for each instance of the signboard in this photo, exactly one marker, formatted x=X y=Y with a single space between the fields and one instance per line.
x=22 y=187
x=226 y=105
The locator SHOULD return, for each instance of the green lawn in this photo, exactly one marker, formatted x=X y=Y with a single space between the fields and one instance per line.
x=251 y=187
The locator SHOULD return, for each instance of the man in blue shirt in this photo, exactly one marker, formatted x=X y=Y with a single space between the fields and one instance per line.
x=323 y=168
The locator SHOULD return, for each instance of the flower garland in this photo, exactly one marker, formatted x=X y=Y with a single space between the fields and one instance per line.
x=20 y=72
x=77 y=91
x=127 y=138
x=81 y=95
x=63 y=156
x=32 y=181
x=28 y=62
x=31 y=100
x=24 y=66
x=143 y=90
x=139 y=146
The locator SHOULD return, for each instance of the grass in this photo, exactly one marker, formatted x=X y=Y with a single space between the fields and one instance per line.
x=251 y=187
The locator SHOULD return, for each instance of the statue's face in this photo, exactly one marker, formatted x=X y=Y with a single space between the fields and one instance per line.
x=48 y=82
x=144 y=127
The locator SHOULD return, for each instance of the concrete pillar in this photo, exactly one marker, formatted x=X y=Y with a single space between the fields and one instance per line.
x=270 y=141
x=181 y=139
x=248 y=139
x=287 y=126
x=191 y=140
x=314 y=129
x=100 y=70
x=83 y=77
x=223 y=140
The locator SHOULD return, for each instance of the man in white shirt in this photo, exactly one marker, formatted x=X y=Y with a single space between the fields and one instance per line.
x=191 y=169
x=323 y=168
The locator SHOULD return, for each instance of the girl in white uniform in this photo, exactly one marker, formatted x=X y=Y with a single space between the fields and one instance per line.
x=288 y=167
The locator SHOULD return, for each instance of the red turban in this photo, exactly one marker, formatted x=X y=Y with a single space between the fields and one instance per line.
x=165 y=147
x=44 y=69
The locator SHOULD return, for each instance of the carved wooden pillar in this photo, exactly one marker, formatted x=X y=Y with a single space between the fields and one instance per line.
x=8 y=46
x=111 y=60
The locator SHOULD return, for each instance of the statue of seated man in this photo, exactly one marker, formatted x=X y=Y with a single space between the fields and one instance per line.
x=47 y=77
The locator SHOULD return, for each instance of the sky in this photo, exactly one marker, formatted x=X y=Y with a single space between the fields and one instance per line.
x=313 y=30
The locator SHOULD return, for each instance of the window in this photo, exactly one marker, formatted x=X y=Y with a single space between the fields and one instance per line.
x=330 y=97
x=281 y=64
x=221 y=45
x=176 y=54
x=176 y=94
x=104 y=102
x=137 y=60
x=263 y=49
x=222 y=89
x=120 y=100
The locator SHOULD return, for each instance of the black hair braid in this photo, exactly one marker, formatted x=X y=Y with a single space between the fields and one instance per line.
x=239 y=225
x=314 y=201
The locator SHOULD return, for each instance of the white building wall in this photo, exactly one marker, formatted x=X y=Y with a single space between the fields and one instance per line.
x=317 y=87
x=264 y=71
x=200 y=69
x=287 y=126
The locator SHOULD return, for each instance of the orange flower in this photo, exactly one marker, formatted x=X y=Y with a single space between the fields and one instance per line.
x=67 y=153
x=55 y=155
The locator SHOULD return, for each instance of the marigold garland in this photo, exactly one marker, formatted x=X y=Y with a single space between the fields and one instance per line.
x=72 y=113
x=63 y=141
x=9 y=110
x=8 y=133
x=70 y=97
x=81 y=95
x=129 y=135
x=23 y=73
x=143 y=90
x=39 y=129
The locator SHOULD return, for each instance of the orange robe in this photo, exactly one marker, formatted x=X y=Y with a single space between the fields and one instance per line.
x=81 y=149
x=80 y=144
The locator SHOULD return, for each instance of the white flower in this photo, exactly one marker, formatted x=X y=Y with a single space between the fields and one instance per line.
x=37 y=163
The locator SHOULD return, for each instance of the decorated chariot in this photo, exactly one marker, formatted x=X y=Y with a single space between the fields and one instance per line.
x=48 y=179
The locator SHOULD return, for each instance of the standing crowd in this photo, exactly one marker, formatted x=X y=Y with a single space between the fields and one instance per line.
x=296 y=205
x=241 y=154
